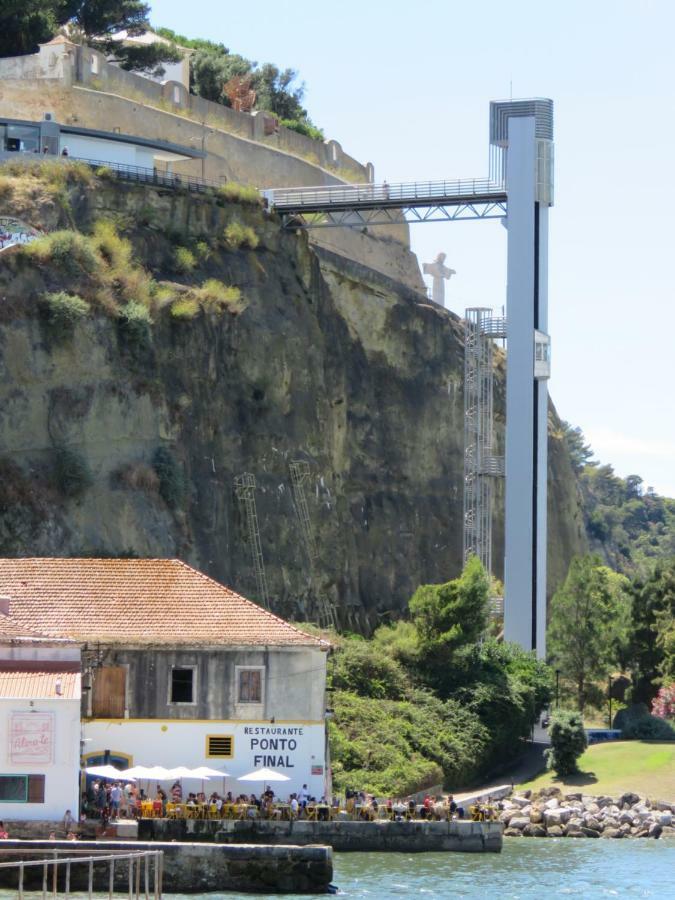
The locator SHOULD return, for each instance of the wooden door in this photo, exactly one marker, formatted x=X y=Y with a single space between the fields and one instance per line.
x=109 y=693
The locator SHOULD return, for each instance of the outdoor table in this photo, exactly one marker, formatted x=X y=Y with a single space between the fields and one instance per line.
x=146 y=809
x=284 y=810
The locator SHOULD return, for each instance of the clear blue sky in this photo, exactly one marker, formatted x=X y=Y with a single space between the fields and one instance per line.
x=407 y=86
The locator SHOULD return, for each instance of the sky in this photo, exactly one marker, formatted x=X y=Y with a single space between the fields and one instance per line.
x=407 y=86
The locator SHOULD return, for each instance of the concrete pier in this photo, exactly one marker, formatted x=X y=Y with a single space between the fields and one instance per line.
x=191 y=867
x=417 y=836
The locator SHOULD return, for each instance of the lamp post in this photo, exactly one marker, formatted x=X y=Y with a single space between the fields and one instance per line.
x=609 y=697
x=557 y=688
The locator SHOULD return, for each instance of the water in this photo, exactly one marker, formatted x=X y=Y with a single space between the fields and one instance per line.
x=526 y=868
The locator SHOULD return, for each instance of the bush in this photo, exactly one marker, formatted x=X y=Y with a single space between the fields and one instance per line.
x=568 y=742
x=71 y=473
x=171 y=480
x=306 y=128
x=135 y=322
x=237 y=235
x=70 y=251
x=116 y=251
x=63 y=311
x=186 y=308
x=364 y=668
x=664 y=702
x=184 y=260
x=202 y=250
x=218 y=297
x=637 y=723
x=240 y=193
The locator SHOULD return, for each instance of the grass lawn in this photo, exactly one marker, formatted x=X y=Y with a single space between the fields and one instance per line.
x=612 y=768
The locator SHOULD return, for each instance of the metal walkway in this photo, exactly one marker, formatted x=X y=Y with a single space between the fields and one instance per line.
x=388 y=204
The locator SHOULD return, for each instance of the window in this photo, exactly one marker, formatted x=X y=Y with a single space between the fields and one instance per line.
x=110 y=692
x=176 y=94
x=182 y=688
x=94 y=64
x=22 y=788
x=250 y=686
x=220 y=746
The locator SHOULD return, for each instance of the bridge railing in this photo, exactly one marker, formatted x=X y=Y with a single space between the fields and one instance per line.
x=381 y=194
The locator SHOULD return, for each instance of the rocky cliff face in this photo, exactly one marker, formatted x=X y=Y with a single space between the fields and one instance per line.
x=330 y=362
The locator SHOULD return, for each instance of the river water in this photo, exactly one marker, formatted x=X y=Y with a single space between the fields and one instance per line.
x=526 y=868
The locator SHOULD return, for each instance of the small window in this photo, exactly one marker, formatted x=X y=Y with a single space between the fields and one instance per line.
x=22 y=788
x=220 y=746
x=176 y=94
x=182 y=684
x=94 y=65
x=250 y=686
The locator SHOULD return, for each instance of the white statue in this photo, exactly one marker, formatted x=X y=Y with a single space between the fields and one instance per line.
x=440 y=273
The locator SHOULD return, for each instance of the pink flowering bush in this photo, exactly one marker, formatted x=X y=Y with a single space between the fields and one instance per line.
x=664 y=702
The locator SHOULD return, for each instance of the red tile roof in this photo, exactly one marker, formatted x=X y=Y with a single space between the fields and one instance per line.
x=137 y=601
x=10 y=629
x=35 y=684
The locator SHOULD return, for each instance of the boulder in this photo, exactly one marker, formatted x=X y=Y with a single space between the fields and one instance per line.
x=627 y=818
x=574 y=796
x=628 y=799
x=664 y=818
x=590 y=832
x=534 y=831
x=536 y=816
x=518 y=822
x=512 y=832
x=592 y=808
x=640 y=832
x=554 y=831
x=552 y=817
x=550 y=792
x=592 y=822
x=663 y=805
x=655 y=830
x=612 y=833
x=625 y=828
x=603 y=801
x=553 y=803
x=506 y=816
x=520 y=802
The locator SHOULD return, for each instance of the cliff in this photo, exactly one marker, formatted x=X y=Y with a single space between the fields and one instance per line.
x=123 y=434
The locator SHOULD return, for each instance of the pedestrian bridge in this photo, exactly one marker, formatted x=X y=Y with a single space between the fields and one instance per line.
x=388 y=204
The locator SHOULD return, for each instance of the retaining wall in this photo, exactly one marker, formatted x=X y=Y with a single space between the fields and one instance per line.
x=405 y=837
x=189 y=867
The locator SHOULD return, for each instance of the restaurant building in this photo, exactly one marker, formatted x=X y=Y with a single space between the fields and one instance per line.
x=39 y=722
x=179 y=670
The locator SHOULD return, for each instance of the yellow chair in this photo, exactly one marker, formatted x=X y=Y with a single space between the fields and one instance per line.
x=191 y=811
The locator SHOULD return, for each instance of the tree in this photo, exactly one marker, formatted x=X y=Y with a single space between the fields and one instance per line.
x=588 y=621
x=568 y=742
x=450 y=616
x=652 y=639
x=580 y=452
x=24 y=25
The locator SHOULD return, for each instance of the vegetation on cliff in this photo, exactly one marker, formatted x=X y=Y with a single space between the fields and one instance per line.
x=423 y=702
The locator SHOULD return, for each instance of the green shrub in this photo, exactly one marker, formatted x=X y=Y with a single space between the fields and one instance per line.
x=105 y=172
x=135 y=322
x=568 y=742
x=240 y=193
x=364 y=668
x=237 y=235
x=72 y=252
x=171 y=480
x=218 y=297
x=306 y=128
x=185 y=308
x=116 y=251
x=71 y=472
x=184 y=260
x=63 y=311
x=202 y=250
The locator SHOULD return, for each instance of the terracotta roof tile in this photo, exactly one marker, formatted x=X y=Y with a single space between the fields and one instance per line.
x=137 y=601
x=38 y=685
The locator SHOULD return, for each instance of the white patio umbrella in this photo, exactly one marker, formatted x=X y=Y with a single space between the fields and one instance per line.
x=159 y=773
x=264 y=775
x=180 y=772
x=206 y=772
x=105 y=772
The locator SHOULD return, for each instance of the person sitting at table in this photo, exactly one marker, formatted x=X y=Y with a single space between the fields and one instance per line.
x=201 y=797
x=229 y=798
x=177 y=792
x=192 y=799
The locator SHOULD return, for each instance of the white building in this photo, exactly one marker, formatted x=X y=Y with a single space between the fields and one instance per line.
x=40 y=694
x=179 y=670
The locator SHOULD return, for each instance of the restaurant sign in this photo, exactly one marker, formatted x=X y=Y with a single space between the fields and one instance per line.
x=31 y=737
x=275 y=747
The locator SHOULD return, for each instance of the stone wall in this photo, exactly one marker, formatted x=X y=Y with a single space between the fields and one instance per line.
x=189 y=868
x=404 y=837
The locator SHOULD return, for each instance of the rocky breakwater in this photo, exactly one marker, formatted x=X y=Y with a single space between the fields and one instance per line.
x=550 y=813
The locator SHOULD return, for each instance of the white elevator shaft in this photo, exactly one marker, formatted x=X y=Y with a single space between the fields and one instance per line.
x=526 y=394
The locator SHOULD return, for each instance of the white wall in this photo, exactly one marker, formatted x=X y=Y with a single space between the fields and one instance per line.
x=99 y=149
x=61 y=775
x=299 y=746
